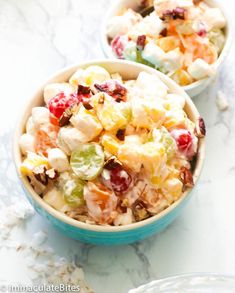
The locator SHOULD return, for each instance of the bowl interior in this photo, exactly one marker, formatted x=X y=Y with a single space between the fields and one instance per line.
x=120 y=5
x=129 y=70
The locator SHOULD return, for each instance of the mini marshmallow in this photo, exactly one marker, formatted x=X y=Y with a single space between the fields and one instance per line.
x=214 y=18
x=89 y=76
x=129 y=51
x=55 y=199
x=184 y=3
x=176 y=100
x=70 y=138
x=150 y=26
x=153 y=54
x=150 y=85
x=40 y=115
x=58 y=160
x=173 y=60
x=120 y=24
x=124 y=218
x=30 y=127
x=199 y=69
x=27 y=143
x=52 y=89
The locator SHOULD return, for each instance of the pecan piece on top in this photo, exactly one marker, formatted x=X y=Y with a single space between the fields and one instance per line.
x=121 y=134
x=200 y=129
x=101 y=98
x=40 y=174
x=186 y=178
x=140 y=210
x=83 y=90
x=113 y=88
x=122 y=205
x=43 y=175
x=52 y=174
x=64 y=119
x=112 y=163
x=87 y=105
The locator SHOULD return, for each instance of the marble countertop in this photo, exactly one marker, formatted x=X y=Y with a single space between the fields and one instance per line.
x=41 y=36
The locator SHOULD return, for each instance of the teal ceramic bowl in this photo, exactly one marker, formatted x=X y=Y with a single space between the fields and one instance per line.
x=95 y=234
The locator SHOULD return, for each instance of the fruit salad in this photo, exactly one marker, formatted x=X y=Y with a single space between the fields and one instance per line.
x=109 y=151
x=181 y=38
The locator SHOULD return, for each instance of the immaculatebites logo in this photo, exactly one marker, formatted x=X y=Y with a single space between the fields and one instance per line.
x=7 y=287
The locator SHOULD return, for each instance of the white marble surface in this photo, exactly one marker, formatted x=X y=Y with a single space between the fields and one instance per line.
x=41 y=36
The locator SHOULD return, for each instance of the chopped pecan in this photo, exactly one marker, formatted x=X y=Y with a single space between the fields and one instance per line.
x=52 y=174
x=140 y=210
x=122 y=205
x=121 y=134
x=43 y=175
x=83 y=90
x=146 y=10
x=87 y=105
x=40 y=174
x=101 y=99
x=196 y=2
x=200 y=129
x=113 y=88
x=112 y=163
x=139 y=203
x=141 y=42
x=64 y=119
x=186 y=177
x=163 y=32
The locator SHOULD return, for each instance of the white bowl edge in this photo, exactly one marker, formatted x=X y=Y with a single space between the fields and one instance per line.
x=197 y=87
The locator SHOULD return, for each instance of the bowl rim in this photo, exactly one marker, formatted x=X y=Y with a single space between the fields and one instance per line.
x=210 y=275
x=20 y=128
x=217 y=64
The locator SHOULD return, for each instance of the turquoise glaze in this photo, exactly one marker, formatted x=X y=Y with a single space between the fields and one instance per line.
x=110 y=238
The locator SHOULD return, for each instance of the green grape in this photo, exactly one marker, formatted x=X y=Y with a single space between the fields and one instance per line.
x=87 y=161
x=73 y=192
x=141 y=60
x=168 y=142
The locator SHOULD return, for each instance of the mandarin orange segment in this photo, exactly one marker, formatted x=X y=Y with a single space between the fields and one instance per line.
x=194 y=45
x=46 y=140
x=182 y=77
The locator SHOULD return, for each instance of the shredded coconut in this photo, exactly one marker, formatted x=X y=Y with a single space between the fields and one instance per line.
x=222 y=101
x=39 y=238
x=13 y=215
x=44 y=265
